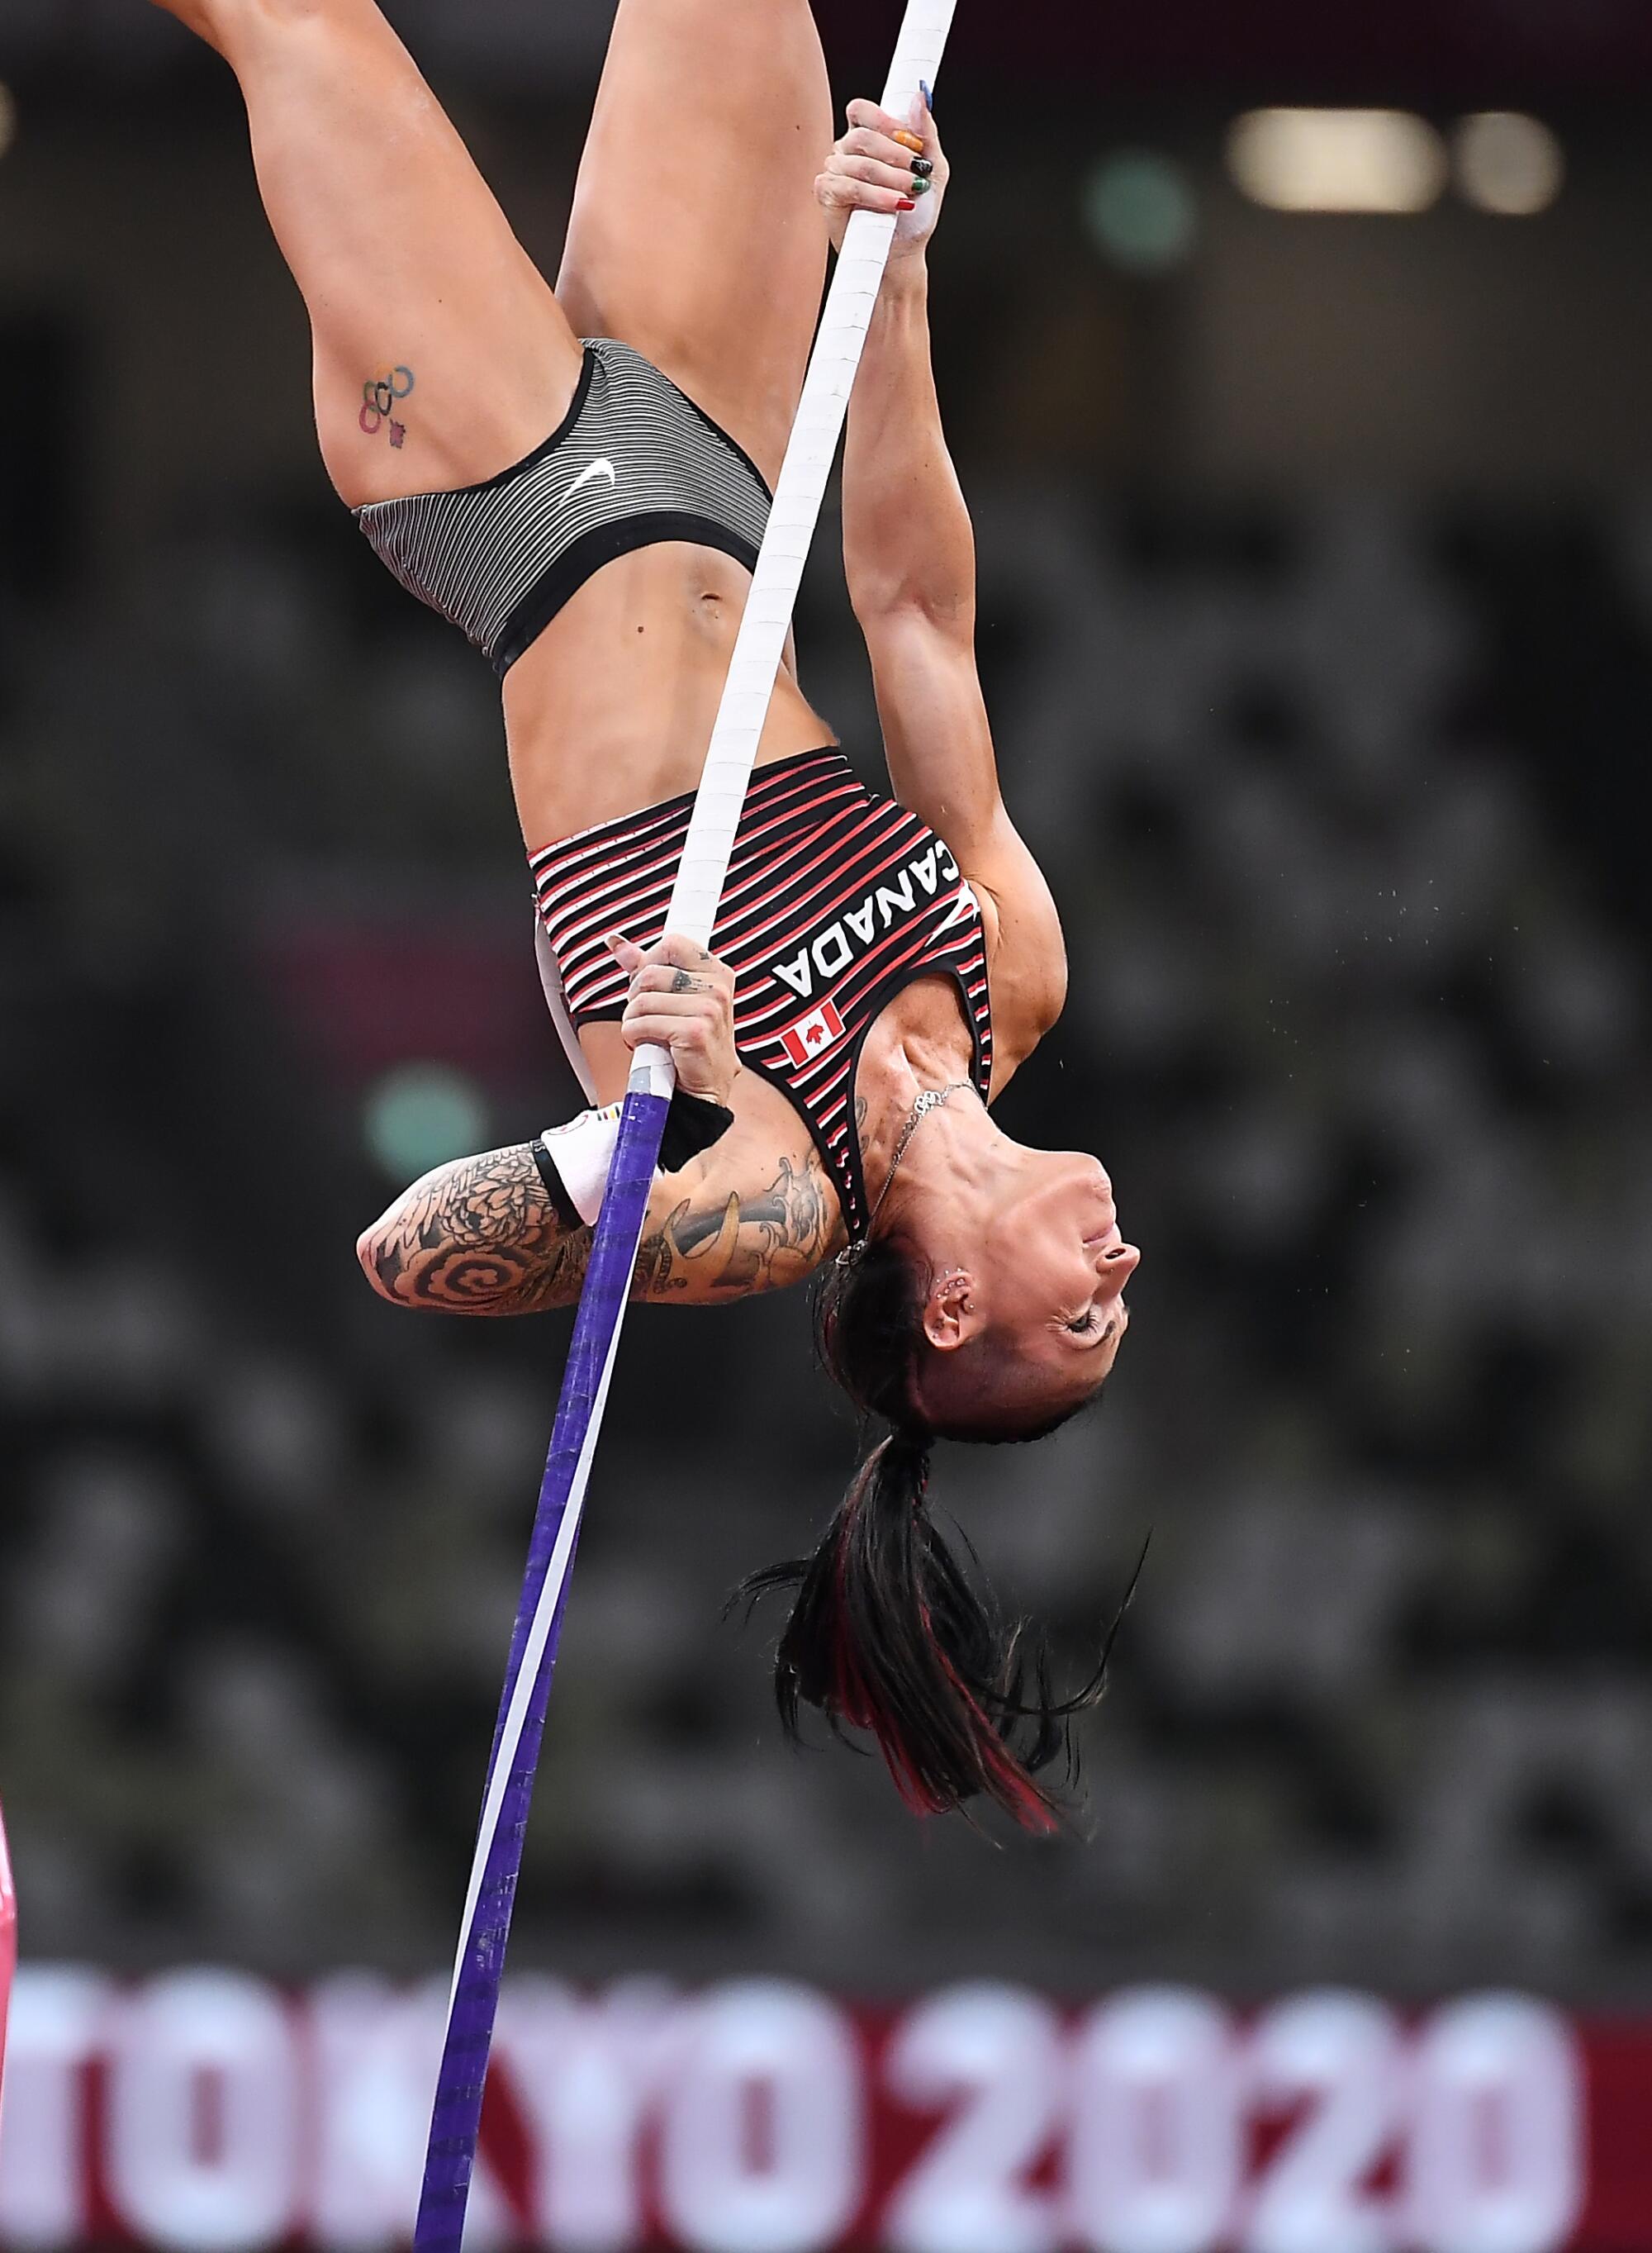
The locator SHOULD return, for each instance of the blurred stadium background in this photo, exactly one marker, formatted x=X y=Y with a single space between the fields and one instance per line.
x=1317 y=625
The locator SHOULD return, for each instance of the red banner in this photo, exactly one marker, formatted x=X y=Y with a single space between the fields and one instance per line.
x=206 y=2109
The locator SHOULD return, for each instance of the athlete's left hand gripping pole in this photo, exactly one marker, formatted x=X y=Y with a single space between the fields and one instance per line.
x=693 y=907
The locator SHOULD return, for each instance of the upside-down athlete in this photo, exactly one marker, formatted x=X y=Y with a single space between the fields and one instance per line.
x=580 y=479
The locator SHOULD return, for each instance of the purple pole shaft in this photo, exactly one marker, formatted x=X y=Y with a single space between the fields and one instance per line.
x=458 y=2117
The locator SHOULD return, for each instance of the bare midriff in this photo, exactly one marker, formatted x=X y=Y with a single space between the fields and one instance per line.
x=612 y=707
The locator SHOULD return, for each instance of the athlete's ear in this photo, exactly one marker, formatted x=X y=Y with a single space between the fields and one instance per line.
x=952 y=1313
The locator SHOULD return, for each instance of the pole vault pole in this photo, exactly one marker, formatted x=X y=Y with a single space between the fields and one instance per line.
x=8 y=1950
x=752 y=670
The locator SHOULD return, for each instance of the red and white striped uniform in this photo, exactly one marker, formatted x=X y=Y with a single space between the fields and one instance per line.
x=836 y=898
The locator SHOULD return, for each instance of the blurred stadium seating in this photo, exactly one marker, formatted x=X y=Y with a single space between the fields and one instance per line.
x=1357 y=1020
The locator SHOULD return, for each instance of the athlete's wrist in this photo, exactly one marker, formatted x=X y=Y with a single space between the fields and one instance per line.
x=907 y=276
x=573 y=1160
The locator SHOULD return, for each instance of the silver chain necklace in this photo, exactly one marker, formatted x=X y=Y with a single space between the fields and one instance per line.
x=931 y=1100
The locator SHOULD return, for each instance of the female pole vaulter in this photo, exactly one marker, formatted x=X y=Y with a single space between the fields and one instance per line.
x=579 y=479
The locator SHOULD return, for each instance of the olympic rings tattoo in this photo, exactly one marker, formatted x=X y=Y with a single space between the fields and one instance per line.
x=377 y=400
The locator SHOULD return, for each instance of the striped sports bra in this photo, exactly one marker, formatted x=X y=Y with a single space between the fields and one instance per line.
x=634 y=461
x=836 y=898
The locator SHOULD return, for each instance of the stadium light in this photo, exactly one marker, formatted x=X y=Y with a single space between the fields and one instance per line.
x=422 y=1115
x=1508 y=163
x=1141 y=212
x=1337 y=160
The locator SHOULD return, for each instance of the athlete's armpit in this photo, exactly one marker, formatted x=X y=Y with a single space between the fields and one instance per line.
x=481 y=1236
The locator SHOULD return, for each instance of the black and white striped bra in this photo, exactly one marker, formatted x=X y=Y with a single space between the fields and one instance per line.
x=633 y=461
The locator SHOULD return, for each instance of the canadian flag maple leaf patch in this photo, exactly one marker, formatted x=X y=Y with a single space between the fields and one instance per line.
x=811 y=1036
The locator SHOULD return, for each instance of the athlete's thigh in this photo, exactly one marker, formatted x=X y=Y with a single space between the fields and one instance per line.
x=695 y=235
x=440 y=355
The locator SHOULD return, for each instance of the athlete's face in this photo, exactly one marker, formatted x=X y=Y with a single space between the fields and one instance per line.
x=1043 y=1298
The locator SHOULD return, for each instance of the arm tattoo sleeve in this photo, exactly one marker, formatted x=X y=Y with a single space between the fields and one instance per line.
x=480 y=1238
x=730 y=1247
x=477 y=1238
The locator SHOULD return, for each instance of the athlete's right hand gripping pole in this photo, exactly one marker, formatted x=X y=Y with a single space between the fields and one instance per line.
x=752 y=670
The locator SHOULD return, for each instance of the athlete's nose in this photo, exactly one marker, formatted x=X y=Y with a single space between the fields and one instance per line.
x=1119 y=1263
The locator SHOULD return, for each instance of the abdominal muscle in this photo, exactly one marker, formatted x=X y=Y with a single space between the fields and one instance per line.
x=611 y=709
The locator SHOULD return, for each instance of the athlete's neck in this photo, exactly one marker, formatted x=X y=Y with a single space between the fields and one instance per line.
x=920 y=1042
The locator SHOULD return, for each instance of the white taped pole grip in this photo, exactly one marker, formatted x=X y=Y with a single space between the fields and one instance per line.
x=761 y=642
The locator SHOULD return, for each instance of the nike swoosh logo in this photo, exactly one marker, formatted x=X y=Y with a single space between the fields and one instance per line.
x=602 y=468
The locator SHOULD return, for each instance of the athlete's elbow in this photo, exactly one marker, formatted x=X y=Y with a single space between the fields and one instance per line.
x=1051 y=998
x=381 y=1262
x=942 y=605
x=875 y=594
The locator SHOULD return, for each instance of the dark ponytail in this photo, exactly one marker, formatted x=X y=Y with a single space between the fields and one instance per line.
x=886 y=1633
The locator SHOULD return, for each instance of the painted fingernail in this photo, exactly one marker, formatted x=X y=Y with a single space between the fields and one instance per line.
x=906 y=204
x=928 y=98
x=920 y=187
x=922 y=166
x=908 y=140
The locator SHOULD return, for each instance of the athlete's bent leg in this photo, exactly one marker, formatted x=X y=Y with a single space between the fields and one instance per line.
x=440 y=355
x=695 y=235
